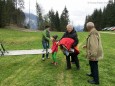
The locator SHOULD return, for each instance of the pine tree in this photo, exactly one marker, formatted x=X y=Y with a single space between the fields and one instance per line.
x=88 y=19
x=57 y=22
x=2 y=13
x=52 y=19
x=40 y=17
x=64 y=19
x=19 y=4
x=46 y=20
x=105 y=18
x=9 y=13
x=97 y=18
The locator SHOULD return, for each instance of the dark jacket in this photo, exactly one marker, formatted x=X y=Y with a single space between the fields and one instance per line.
x=72 y=35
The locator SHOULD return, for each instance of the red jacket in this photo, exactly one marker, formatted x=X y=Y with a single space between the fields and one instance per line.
x=67 y=42
x=54 y=47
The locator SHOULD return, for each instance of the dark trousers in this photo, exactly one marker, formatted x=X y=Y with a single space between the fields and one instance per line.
x=75 y=57
x=45 y=45
x=94 y=70
x=72 y=59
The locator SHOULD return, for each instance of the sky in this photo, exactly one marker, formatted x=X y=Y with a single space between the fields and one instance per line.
x=78 y=9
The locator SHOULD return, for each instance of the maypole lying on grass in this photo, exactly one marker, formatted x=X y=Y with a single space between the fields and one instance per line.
x=23 y=52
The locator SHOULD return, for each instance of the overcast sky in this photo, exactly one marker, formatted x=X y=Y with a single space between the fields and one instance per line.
x=78 y=9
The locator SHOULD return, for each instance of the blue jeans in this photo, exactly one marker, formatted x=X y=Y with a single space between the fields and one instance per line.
x=45 y=45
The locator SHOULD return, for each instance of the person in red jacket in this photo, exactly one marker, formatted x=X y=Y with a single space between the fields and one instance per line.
x=66 y=44
x=54 y=49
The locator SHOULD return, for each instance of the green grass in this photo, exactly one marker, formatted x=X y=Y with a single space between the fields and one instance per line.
x=30 y=70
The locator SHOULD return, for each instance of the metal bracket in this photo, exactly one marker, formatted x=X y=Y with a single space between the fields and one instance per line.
x=2 y=49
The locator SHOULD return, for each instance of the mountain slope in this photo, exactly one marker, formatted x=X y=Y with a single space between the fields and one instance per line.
x=33 y=20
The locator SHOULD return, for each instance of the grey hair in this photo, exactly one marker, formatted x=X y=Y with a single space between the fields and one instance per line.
x=90 y=24
x=69 y=25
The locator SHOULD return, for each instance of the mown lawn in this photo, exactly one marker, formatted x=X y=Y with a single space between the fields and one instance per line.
x=30 y=70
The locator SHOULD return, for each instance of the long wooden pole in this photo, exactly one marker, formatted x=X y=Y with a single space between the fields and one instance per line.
x=29 y=13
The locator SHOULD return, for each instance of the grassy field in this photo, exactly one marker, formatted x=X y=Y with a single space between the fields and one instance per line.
x=30 y=70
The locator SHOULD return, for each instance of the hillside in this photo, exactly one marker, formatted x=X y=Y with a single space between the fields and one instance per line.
x=33 y=20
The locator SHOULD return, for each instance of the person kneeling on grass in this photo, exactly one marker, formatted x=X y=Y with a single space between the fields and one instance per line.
x=54 y=49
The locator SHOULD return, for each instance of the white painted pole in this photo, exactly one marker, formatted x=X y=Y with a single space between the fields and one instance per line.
x=29 y=13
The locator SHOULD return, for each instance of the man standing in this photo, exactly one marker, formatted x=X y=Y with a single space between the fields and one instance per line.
x=45 y=41
x=71 y=33
x=94 y=52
